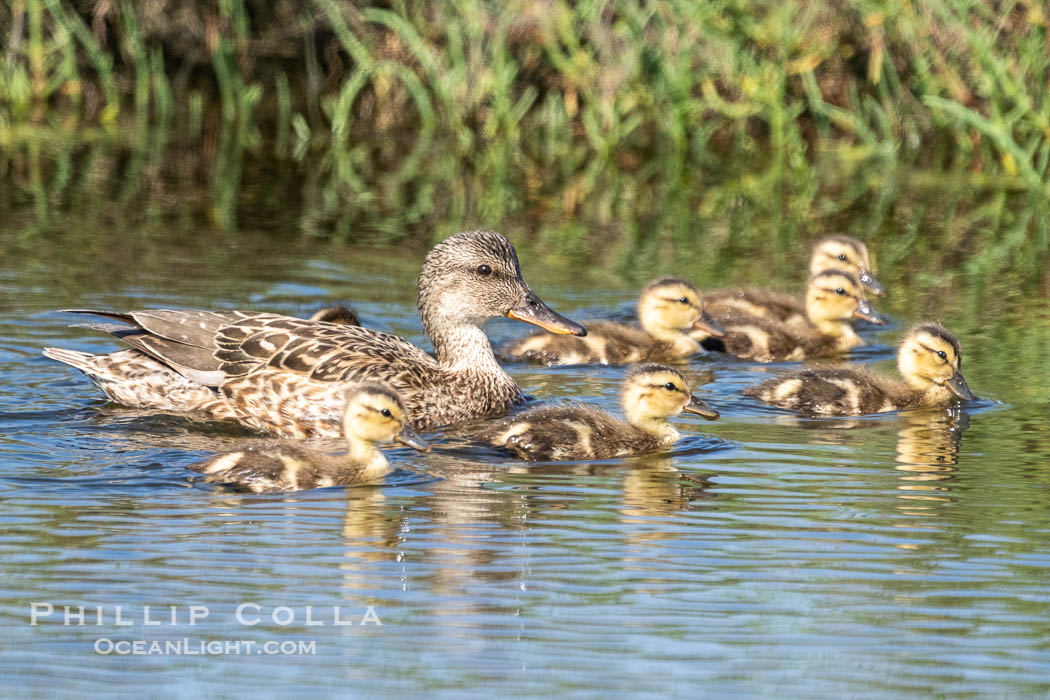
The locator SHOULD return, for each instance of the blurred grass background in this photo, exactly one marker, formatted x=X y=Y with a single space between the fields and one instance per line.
x=641 y=132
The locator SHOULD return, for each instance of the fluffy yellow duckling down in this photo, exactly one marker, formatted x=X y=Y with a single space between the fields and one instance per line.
x=650 y=395
x=339 y=314
x=929 y=359
x=373 y=414
x=668 y=309
x=833 y=299
x=830 y=253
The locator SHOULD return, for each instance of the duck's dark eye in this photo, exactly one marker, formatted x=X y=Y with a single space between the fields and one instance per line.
x=842 y=257
x=840 y=291
x=684 y=300
x=484 y=270
x=942 y=354
x=385 y=413
x=670 y=386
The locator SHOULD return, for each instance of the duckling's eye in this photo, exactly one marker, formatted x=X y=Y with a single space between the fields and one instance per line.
x=385 y=413
x=942 y=354
x=684 y=300
x=670 y=386
x=484 y=270
x=842 y=257
x=840 y=291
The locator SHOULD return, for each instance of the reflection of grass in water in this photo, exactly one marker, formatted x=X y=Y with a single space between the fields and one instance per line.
x=725 y=128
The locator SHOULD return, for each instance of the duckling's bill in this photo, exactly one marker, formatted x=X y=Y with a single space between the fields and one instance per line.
x=410 y=437
x=709 y=325
x=533 y=310
x=872 y=284
x=957 y=385
x=701 y=408
x=866 y=312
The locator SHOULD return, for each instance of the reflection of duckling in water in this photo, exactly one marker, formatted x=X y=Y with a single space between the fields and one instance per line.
x=373 y=414
x=651 y=394
x=833 y=298
x=928 y=442
x=667 y=308
x=929 y=360
x=339 y=314
x=831 y=253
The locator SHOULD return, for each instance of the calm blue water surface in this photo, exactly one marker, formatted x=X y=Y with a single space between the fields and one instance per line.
x=767 y=555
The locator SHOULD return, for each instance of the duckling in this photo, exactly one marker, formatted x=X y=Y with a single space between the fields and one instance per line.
x=466 y=280
x=929 y=359
x=343 y=315
x=833 y=297
x=666 y=309
x=830 y=253
x=373 y=414
x=651 y=394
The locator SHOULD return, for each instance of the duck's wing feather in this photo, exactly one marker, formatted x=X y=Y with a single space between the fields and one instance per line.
x=326 y=352
x=212 y=346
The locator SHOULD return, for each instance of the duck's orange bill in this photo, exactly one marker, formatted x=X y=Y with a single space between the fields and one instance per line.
x=533 y=310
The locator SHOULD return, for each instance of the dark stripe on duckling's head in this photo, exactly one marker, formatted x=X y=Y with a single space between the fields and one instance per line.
x=833 y=280
x=374 y=389
x=938 y=331
x=858 y=248
x=670 y=282
x=653 y=368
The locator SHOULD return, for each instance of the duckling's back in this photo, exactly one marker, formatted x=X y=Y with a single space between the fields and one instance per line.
x=841 y=391
x=732 y=304
x=283 y=467
x=568 y=432
x=606 y=342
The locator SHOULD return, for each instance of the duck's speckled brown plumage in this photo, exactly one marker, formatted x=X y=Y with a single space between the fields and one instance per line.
x=581 y=432
x=833 y=297
x=930 y=380
x=372 y=413
x=667 y=309
x=830 y=253
x=466 y=280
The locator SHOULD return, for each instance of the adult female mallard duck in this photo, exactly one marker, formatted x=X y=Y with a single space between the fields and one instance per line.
x=833 y=297
x=650 y=395
x=667 y=308
x=466 y=280
x=373 y=414
x=929 y=360
x=831 y=253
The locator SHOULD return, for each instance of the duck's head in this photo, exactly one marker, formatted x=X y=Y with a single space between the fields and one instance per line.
x=845 y=253
x=836 y=296
x=669 y=306
x=343 y=315
x=375 y=413
x=931 y=356
x=474 y=277
x=652 y=393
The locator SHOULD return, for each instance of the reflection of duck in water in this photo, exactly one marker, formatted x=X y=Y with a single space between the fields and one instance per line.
x=929 y=360
x=466 y=280
x=373 y=414
x=833 y=299
x=831 y=253
x=667 y=309
x=650 y=395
